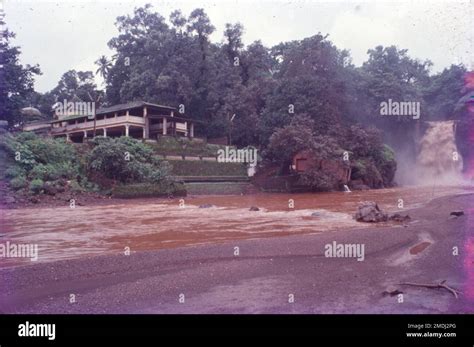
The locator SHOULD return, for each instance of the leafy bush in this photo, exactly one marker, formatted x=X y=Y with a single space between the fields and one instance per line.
x=319 y=180
x=386 y=164
x=51 y=172
x=126 y=160
x=39 y=160
x=366 y=171
x=287 y=141
x=36 y=186
x=18 y=182
x=75 y=186
x=28 y=150
x=14 y=172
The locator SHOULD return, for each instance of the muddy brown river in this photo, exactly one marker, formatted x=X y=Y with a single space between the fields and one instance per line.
x=150 y=224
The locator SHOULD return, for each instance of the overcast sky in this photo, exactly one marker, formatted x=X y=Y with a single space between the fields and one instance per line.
x=65 y=35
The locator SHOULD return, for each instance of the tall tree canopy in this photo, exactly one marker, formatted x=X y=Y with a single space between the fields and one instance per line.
x=16 y=80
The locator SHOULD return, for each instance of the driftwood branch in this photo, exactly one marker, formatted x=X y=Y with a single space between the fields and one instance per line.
x=439 y=285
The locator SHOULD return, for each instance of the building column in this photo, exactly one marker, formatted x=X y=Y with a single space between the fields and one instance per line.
x=105 y=132
x=68 y=138
x=146 y=129
x=186 y=132
x=127 y=130
x=165 y=126
x=191 y=130
x=85 y=134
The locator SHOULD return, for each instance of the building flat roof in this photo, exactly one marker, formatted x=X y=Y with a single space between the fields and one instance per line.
x=130 y=105
x=117 y=108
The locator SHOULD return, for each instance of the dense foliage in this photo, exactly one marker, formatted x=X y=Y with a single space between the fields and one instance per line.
x=256 y=95
x=126 y=160
x=38 y=165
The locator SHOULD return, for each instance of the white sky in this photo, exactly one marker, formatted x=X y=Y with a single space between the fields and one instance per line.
x=65 y=35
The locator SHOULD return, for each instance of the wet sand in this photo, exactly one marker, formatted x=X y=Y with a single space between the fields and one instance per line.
x=266 y=272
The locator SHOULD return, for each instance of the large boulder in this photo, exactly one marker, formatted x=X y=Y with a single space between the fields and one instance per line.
x=369 y=212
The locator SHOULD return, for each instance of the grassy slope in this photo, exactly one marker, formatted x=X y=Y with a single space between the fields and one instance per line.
x=207 y=168
x=184 y=146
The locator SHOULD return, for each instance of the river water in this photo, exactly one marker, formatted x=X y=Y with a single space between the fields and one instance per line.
x=150 y=224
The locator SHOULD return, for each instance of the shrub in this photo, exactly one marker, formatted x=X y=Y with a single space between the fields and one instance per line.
x=75 y=186
x=14 y=172
x=28 y=149
x=90 y=186
x=36 y=186
x=38 y=160
x=51 y=172
x=18 y=182
x=367 y=171
x=386 y=164
x=126 y=160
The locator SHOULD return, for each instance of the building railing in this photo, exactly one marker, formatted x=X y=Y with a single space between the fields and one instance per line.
x=179 y=126
x=89 y=124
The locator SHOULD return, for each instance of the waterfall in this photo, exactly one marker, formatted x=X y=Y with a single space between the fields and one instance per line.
x=439 y=161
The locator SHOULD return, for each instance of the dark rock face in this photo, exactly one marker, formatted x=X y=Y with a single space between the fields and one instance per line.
x=369 y=212
x=397 y=217
x=254 y=208
x=457 y=213
x=206 y=206
x=360 y=187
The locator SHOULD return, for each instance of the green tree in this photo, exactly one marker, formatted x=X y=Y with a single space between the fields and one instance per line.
x=443 y=92
x=16 y=80
x=75 y=83
x=104 y=66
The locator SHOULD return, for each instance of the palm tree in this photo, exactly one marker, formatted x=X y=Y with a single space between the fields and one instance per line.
x=104 y=66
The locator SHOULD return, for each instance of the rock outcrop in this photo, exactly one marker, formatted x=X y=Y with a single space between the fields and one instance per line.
x=369 y=212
